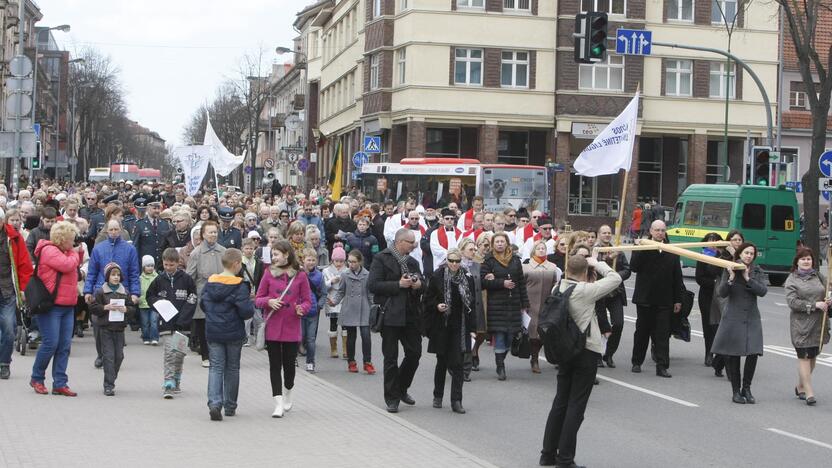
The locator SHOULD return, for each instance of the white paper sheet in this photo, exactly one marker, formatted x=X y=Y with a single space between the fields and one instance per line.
x=527 y=319
x=114 y=315
x=166 y=309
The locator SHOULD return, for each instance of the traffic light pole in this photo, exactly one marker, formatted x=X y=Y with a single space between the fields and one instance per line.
x=766 y=102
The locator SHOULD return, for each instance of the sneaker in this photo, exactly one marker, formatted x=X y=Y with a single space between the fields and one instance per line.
x=176 y=389
x=109 y=392
x=352 y=367
x=246 y=345
x=5 y=372
x=146 y=343
x=215 y=413
x=99 y=363
x=206 y=363
x=310 y=367
x=369 y=369
x=154 y=343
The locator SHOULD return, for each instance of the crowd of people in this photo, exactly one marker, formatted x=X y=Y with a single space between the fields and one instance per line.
x=261 y=270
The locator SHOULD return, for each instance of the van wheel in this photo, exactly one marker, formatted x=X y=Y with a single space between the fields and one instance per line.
x=777 y=279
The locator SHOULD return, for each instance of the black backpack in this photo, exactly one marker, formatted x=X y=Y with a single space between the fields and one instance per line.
x=562 y=339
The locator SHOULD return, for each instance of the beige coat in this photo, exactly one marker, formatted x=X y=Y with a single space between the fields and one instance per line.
x=203 y=263
x=540 y=279
x=805 y=319
x=582 y=303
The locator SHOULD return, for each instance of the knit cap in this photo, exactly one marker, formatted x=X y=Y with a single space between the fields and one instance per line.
x=110 y=266
x=148 y=260
x=338 y=253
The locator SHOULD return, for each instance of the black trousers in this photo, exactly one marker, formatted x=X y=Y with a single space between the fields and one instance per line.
x=397 y=378
x=732 y=367
x=449 y=362
x=708 y=330
x=575 y=382
x=366 y=343
x=653 y=323
x=616 y=310
x=199 y=336
x=282 y=354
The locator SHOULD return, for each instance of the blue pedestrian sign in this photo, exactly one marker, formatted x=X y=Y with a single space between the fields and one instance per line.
x=633 y=42
x=825 y=163
x=372 y=144
x=36 y=128
x=359 y=159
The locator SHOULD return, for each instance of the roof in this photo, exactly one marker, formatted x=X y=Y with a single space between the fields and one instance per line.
x=723 y=190
x=310 y=12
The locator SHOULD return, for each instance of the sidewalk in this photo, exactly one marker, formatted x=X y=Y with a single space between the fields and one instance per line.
x=327 y=427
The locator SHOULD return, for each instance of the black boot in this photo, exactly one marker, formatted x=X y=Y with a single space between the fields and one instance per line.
x=500 y=359
x=456 y=407
x=749 y=398
x=475 y=363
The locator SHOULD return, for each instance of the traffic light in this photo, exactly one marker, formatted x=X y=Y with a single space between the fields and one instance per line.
x=590 y=37
x=761 y=174
x=36 y=157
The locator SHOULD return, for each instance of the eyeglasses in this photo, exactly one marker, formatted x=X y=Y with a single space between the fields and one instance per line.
x=454 y=261
x=449 y=218
x=545 y=228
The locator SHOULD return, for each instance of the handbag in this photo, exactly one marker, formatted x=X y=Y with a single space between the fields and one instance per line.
x=376 y=317
x=520 y=345
x=260 y=339
x=39 y=299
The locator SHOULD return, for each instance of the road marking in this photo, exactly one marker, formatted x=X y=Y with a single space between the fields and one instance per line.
x=780 y=304
x=801 y=438
x=648 y=392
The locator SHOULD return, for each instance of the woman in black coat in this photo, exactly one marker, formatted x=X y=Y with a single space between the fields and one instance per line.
x=503 y=278
x=449 y=319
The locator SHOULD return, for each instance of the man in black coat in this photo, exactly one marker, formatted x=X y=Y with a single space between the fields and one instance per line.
x=396 y=283
x=616 y=301
x=340 y=221
x=658 y=294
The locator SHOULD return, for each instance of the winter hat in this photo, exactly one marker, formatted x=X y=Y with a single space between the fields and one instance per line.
x=254 y=235
x=148 y=260
x=109 y=268
x=338 y=253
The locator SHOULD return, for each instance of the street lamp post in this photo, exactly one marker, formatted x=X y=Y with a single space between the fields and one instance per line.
x=72 y=160
x=305 y=61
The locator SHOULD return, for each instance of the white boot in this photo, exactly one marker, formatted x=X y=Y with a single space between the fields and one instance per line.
x=278 y=407
x=287 y=399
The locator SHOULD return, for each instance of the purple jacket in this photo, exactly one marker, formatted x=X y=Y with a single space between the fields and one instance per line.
x=284 y=325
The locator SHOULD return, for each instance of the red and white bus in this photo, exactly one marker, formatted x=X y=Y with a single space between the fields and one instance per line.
x=445 y=180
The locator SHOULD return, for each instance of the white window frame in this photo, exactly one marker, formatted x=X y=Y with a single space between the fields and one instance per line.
x=798 y=99
x=516 y=6
x=674 y=66
x=721 y=72
x=374 y=72
x=470 y=4
x=376 y=8
x=715 y=10
x=468 y=60
x=404 y=5
x=515 y=62
x=401 y=62
x=603 y=67
x=609 y=7
x=679 y=11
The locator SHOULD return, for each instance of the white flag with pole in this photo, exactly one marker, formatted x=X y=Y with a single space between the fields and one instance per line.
x=222 y=160
x=612 y=149
x=194 y=161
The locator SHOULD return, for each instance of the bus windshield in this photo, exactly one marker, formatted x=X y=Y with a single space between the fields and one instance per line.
x=520 y=187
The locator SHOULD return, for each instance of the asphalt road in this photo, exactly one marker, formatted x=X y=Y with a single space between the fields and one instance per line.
x=632 y=419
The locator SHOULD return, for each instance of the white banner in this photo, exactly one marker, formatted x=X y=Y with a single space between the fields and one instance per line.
x=222 y=160
x=612 y=149
x=194 y=160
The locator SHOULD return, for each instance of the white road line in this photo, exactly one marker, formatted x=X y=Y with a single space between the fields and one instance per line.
x=648 y=392
x=780 y=304
x=801 y=438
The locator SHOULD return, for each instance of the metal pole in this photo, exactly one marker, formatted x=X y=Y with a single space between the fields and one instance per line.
x=58 y=119
x=780 y=81
x=766 y=102
x=34 y=97
x=18 y=126
x=727 y=102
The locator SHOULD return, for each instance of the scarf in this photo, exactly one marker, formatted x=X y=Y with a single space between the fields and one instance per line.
x=803 y=274
x=539 y=260
x=278 y=271
x=459 y=280
x=298 y=246
x=401 y=259
x=505 y=257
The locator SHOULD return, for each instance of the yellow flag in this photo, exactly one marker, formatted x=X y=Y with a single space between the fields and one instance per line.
x=335 y=175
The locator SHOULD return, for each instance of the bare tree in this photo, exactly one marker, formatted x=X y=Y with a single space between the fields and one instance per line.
x=813 y=58
x=254 y=87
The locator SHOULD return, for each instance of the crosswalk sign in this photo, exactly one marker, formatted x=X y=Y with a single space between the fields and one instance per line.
x=372 y=144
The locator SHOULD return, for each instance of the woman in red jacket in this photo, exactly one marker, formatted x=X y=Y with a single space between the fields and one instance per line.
x=57 y=256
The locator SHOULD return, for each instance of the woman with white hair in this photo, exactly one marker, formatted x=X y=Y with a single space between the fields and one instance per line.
x=313 y=240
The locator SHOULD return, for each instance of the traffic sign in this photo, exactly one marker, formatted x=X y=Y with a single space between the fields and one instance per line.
x=795 y=185
x=292 y=122
x=36 y=128
x=633 y=41
x=825 y=183
x=268 y=163
x=303 y=165
x=356 y=175
x=292 y=157
x=247 y=170
x=372 y=144
x=20 y=66
x=359 y=159
x=825 y=163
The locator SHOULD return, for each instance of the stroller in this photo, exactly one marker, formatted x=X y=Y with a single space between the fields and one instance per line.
x=24 y=323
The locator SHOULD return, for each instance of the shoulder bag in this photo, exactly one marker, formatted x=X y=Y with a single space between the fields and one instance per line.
x=260 y=340
x=39 y=299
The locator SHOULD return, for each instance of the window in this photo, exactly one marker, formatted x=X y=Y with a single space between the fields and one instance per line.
x=513 y=148
x=782 y=218
x=468 y=66
x=693 y=211
x=403 y=5
x=799 y=100
x=352 y=87
x=593 y=196
x=677 y=214
x=753 y=216
x=678 y=78
x=374 y=71
x=442 y=142
x=525 y=5
x=606 y=76
x=680 y=10
x=515 y=69
x=717 y=162
x=718 y=78
x=722 y=10
x=613 y=7
x=716 y=214
x=402 y=61
x=650 y=165
x=376 y=8
x=470 y=3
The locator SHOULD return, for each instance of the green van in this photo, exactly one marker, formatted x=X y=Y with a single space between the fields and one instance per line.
x=766 y=216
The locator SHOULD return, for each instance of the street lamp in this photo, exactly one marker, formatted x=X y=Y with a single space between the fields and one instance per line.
x=280 y=50
x=73 y=159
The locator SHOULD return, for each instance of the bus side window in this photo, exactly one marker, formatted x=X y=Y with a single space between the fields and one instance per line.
x=753 y=216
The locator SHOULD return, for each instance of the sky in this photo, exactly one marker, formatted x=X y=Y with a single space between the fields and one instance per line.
x=173 y=54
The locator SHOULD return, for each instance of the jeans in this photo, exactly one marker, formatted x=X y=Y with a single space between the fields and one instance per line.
x=282 y=355
x=8 y=328
x=366 y=343
x=56 y=327
x=309 y=326
x=112 y=353
x=150 y=324
x=224 y=374
x=502 y=342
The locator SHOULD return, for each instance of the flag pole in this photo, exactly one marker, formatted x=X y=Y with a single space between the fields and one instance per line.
x=622 y=204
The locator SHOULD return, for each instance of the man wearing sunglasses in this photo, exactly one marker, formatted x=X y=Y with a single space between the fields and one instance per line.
x=444 y=238
x=545 y=232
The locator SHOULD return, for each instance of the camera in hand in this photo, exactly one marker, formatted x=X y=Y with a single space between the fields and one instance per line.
x=414 y=277
x=78 y=240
